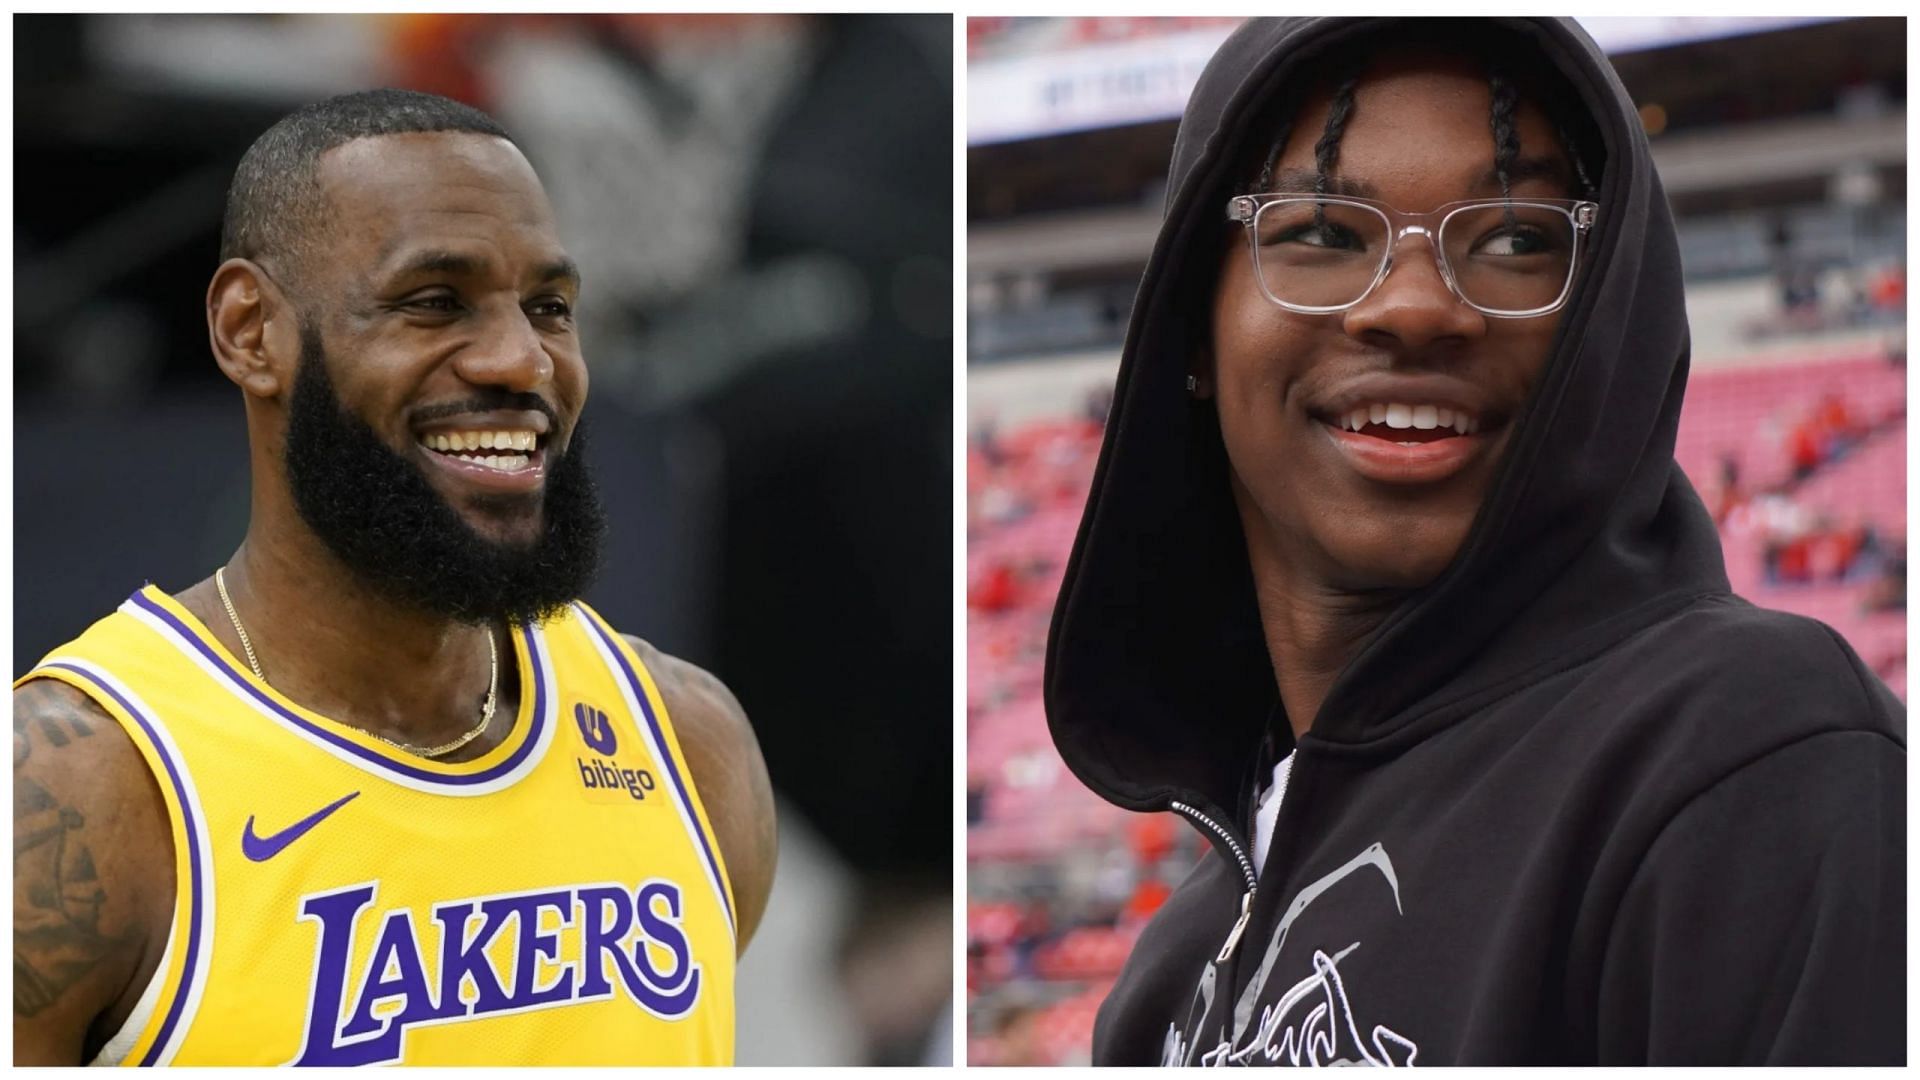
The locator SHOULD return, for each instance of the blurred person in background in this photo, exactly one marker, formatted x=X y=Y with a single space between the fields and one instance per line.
x=396 y=307
x=762 y=206
x=1390 y=585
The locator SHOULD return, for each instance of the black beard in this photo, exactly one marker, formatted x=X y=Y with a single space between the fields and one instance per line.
x=378 y=514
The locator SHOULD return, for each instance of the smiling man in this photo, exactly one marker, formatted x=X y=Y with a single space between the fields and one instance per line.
x=1390 y=586
x=381 y=789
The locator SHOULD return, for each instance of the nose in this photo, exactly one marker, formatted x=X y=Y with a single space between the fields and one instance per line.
x=1413 y=305
x=508 y=353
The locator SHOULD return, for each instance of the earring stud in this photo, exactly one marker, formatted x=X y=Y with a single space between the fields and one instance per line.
x=1193 y=383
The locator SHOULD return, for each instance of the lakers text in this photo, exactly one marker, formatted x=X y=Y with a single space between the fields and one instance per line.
x=489 y=955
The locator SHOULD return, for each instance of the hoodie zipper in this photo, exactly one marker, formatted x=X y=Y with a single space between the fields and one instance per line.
x=1246 y=871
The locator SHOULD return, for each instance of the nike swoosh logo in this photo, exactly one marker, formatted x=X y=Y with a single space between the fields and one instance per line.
x=262 y=848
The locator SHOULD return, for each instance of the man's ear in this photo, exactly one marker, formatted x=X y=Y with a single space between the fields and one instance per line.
x=252 y=327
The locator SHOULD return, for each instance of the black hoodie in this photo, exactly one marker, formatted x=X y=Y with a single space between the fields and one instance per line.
x=1572 y=802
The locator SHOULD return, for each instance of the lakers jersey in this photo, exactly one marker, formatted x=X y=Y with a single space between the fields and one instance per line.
x=560 y=899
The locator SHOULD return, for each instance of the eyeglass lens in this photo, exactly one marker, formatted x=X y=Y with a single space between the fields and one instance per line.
x=1504 y=257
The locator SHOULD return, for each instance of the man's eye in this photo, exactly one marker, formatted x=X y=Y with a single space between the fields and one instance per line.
x=438 y=304
x=1326 y=234
x=552 y=307
x=1520 y=240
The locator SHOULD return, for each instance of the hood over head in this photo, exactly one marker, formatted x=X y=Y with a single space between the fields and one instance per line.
x=1158 y=680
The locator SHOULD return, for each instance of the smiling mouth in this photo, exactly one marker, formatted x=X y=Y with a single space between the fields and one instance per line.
x=509 y=450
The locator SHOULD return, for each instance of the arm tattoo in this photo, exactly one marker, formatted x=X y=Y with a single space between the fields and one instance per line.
x=57 y=936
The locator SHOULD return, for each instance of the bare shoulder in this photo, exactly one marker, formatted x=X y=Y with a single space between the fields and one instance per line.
x=92 y=874
x=725 y=758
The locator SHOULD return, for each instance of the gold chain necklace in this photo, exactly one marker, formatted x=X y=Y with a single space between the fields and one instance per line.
x=486 y=710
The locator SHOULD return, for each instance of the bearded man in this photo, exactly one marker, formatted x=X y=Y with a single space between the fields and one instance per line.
x=381 y=789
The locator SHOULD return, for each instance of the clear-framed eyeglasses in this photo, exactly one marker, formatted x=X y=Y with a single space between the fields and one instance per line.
x=1508 y=258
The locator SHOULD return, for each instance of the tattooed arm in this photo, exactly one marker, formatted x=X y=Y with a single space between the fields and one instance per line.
x=92 y=875
x=724 y=757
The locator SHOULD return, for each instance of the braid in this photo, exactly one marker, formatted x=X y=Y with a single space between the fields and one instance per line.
x=1573 y=155
x=1324 y=151
x=1506 y=137
x=1265 y=181
x=1327 y=150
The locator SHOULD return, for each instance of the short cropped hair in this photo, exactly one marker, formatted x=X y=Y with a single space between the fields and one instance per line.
x=275 y=201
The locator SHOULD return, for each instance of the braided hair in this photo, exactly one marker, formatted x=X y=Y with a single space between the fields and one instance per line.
x=1506 y=136
x=1501 y=119
x=1327 y=150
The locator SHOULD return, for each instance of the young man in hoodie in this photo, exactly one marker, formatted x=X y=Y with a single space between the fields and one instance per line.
x=1390 y=585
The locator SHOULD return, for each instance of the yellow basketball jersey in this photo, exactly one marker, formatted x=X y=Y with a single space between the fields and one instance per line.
x=560 y=899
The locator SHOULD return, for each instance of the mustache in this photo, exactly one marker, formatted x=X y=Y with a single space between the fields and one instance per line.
x=490 y=401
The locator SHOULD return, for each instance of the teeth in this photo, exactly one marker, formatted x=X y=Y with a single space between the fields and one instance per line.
x=1401 y=417
x=458 y=441
x=500 y=462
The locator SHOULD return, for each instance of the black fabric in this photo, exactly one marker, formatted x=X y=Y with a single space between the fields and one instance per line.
x=1523 y=799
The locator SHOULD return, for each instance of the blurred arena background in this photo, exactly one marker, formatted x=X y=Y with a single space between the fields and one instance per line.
x=1782 y=144
x=762 y=208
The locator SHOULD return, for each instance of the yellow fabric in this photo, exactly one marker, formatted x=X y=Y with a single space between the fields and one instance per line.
x=568 y=879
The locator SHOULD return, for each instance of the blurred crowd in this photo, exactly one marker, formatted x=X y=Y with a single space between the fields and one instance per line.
x=1059 y=882
x=1803 y=465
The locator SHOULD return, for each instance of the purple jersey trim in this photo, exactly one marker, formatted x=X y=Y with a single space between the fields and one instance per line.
x=666 y=752
x=373 y=757
x=194 y=871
